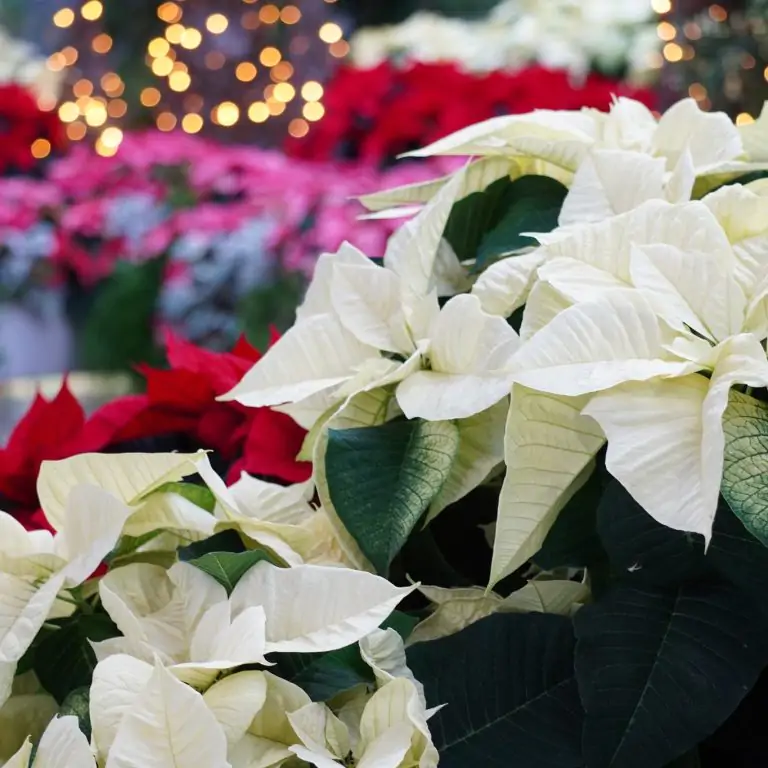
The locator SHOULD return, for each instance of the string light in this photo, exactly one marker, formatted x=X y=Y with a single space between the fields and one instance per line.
x=94 y=104
x=40 y=148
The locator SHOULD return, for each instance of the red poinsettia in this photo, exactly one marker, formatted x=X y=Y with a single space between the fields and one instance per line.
x=375 y=114
x=50 y=430
x=182 y=400
x=22 y=123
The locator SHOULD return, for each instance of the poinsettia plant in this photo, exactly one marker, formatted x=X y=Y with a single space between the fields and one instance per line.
x=534 y=533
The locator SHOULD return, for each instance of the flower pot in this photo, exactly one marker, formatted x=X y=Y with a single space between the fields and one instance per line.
x=35 y=338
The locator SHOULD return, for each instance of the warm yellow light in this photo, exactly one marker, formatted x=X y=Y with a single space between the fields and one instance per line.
x=275 y=107
x=47 y=102
x=283 y=71
x=270 y=56
x=666 y=31
x=70 y=55
x=92 y=10
x=76 y=132
x=102 y=43
x=96 y=114
x=744 y=119
x=68 y=112
x=718 y=13
x=166 y=121
x=56 y=62
x=117 y=108
x=64 y=18
x=40 y=148
x=284 y=92
x=246 y=72
x=269 y=92
x=290 y=15
x=311 y=91
x=179 y=81
x=215 y=60
x=216 y=23
x=179 y=66
x=192 y=123
x=158 y=47
x=83 y=103
x=330 y=33
x=227 y=113
x=313 y=111
x=115 y=87
x=193 y=102
x=174 y=33
x=673 y=52
x=250 y=20
x=339 y=50
x=112 y=137
x=169 y=13
x=162 y=66
x=191 y=38
x=103 y=150
x=697 y=91
x=258 y=112
x=82 y=88
x=298 y=128
x=269 y=14
x=661 y=6
x=150 y=97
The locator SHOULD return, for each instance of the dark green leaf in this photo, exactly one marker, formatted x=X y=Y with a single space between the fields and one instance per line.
x=659 y=669
x=510 y=691
x=475 y=215
x=688 y=760
x=745 y=470
x=323 y=675
x=229 y=567
x=533 y=205
x=120 y=330
x=642 y=548
x=226 y=541
x=382 y=479
x=198 y=494
x=739 y=556
x=77 y=703
x=402 y=623
x=573 y=540
x=64 y=660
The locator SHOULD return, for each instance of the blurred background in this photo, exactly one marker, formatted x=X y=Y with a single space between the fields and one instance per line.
x=173 y=169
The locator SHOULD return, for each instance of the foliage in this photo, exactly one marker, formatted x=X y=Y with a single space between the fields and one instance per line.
x=534 y=547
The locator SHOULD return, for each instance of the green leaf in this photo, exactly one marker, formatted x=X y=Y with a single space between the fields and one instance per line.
x=745 y=470
x=473 y=216
x=64 y=660
x=640 y=547
x=229 y=567
x=382 y=480
x=573 y=540
x=323 y=675
x=77 y=703
x=659 y=669
x=510 y=691
x=533 y=204
x=402 y=623
x=739 y=556
x=226 y=541
x=119 y=330
x=199 y=495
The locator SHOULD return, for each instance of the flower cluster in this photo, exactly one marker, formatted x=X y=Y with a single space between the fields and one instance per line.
x=380 y=112
x=228 y=219
x=536 y=430
x=577 y=35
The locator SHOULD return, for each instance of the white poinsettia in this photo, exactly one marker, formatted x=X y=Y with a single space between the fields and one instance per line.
x=456 y=609
x=362 y=327
x=35 y=567
x=62 y=744
x=280 y=518
x=185 y=618
x=637 y=351
x=25 y=715
x=131 y=478
x=392 y=732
